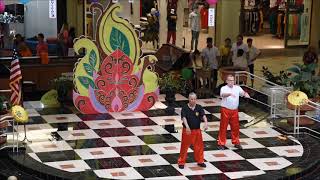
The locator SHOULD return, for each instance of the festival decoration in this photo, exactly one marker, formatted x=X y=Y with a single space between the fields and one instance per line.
x=297 y=98
x=24 y=1
x=112 y=77
x=2 y=6
x=212 y=2
x=19 y=114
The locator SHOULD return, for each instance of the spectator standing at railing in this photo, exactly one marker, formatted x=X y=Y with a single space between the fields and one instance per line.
x=254 y=53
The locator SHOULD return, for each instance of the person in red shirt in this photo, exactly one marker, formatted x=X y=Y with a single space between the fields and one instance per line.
x=42 y=49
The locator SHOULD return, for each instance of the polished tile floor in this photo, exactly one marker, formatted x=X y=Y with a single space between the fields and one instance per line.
x=139 y=145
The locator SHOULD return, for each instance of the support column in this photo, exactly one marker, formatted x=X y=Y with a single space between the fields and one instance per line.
x=163 y=22
x=228 y=13
x=315 y=21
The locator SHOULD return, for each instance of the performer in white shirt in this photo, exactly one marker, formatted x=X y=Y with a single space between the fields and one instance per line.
x=229 y=112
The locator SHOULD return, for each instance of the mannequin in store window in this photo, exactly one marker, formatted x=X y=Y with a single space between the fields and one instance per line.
x=304 y=36
x=194 y=24
x=172 y=23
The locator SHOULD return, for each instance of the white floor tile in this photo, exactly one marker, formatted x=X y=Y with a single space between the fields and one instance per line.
x=209 y=102
x=288 y=151
x=61 y=118
x=169 y=178
x=242 y=116
x=128 y=115
x=97 y=153
x=78 y=134
x=158 y=105
x=221 y=155
x=118 y=173
x=123 y=141
x=145 y=160
x=246 y=143
x=70 y=166
x=243 y=174
x=147 y=130
x=193 y=169
x=260 y=132
x=36 y=104
x=104 y=124
x=32 y=112
x=270 y=163
x=167 y=148
x=49 y=146
x=205 y=136
x=167 y=120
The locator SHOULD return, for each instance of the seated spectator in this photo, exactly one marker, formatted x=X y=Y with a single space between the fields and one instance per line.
x=42 y=49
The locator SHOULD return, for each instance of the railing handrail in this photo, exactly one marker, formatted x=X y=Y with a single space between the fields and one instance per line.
x=314 y=105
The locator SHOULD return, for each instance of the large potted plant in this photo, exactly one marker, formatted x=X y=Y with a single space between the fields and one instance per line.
x=170 y=84
x=280 y=79
x=64 y=86
x=304 y=79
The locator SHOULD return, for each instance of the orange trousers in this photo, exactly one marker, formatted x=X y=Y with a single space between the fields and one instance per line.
x=194 y=138
x=231 y=117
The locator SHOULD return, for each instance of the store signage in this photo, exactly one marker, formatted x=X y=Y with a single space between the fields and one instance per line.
x=53 y=9
x=211 y=17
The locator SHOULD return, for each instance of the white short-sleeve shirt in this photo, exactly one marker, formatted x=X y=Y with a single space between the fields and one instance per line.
x=231 y=102
x=253 y=52
x=210 y=56
x=235 y=48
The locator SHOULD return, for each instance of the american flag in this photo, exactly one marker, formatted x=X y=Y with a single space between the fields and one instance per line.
x=15 y=80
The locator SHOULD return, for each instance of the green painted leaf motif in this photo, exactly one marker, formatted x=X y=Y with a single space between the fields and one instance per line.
x=93 y=58
x=88 y=68
x=86 y=82
x=119 y=40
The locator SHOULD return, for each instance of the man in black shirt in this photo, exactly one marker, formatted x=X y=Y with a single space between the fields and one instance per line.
x=172 y=23
x=191 y=115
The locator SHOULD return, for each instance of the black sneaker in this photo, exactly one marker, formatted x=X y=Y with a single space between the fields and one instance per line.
x=202 y=165
x=238 y=146
x=220 y=147
x=181 y=166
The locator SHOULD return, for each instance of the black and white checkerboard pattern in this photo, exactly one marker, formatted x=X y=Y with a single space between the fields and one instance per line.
x=137 y=145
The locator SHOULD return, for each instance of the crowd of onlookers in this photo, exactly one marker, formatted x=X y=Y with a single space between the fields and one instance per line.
x=62 y=43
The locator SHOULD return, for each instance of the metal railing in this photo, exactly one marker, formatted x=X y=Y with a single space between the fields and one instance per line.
x=278 y=106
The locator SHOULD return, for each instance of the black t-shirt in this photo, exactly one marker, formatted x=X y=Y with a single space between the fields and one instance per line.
x=172 y=23
x=193 y=117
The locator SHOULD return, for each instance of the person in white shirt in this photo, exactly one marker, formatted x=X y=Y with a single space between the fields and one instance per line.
x=240 y=61
x=229 y=112
x=239 y=45
x=210 y=56
x=194 y=18
x=254 y=53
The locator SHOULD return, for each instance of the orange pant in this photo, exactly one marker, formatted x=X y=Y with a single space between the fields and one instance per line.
x=195 y=138
x=229 y=117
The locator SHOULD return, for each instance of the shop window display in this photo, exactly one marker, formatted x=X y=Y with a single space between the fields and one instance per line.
x=274 y=21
